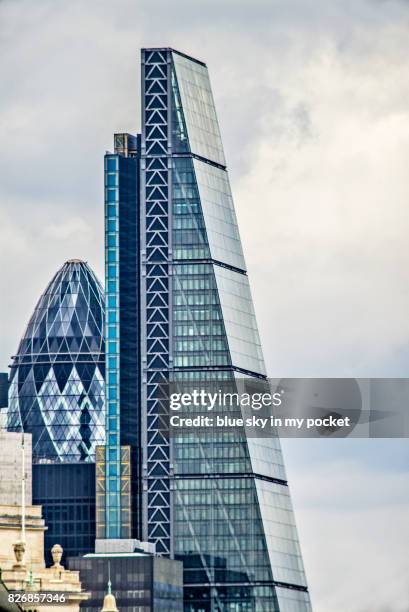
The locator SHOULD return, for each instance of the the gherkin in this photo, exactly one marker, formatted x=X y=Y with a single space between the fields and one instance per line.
x=57 y=376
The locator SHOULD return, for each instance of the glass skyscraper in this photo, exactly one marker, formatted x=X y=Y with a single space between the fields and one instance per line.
x=57 y=376
x=57 y=393
x=179 y=308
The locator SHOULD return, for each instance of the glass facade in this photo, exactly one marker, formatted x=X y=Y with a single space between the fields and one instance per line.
x=199 y=334
x=218 y=502
x=57 y=376
x=189 y=229
x=140 y=583
x=197 y=106
x=219 y=214
x=240 y=320
x=113 y=449
x=66 y=492
x=122 y=337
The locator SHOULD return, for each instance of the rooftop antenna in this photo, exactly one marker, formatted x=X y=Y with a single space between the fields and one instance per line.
x=109 y=579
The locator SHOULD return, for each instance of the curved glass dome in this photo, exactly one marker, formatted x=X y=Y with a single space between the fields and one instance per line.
x=57 y=376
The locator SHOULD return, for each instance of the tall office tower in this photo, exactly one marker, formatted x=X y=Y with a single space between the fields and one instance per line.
x=219 y=502
x=115 y=512
x=57 y=394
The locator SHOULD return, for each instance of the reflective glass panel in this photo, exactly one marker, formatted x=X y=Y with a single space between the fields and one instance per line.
x=198 y=109
x=239 y=320
x=219 y=215
x=281 y=532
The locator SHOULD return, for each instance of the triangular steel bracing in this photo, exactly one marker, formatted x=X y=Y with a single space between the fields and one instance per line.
x=156 y=286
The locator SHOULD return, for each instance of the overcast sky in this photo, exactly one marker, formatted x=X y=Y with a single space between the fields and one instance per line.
x=313 y=103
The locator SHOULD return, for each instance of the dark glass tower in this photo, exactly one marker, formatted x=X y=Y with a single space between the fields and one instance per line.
x=66 y=492
x=116 y=517
x=221 y=502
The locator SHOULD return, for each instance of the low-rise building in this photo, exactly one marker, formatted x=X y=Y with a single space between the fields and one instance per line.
x=23 y=569
x=11 y=468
